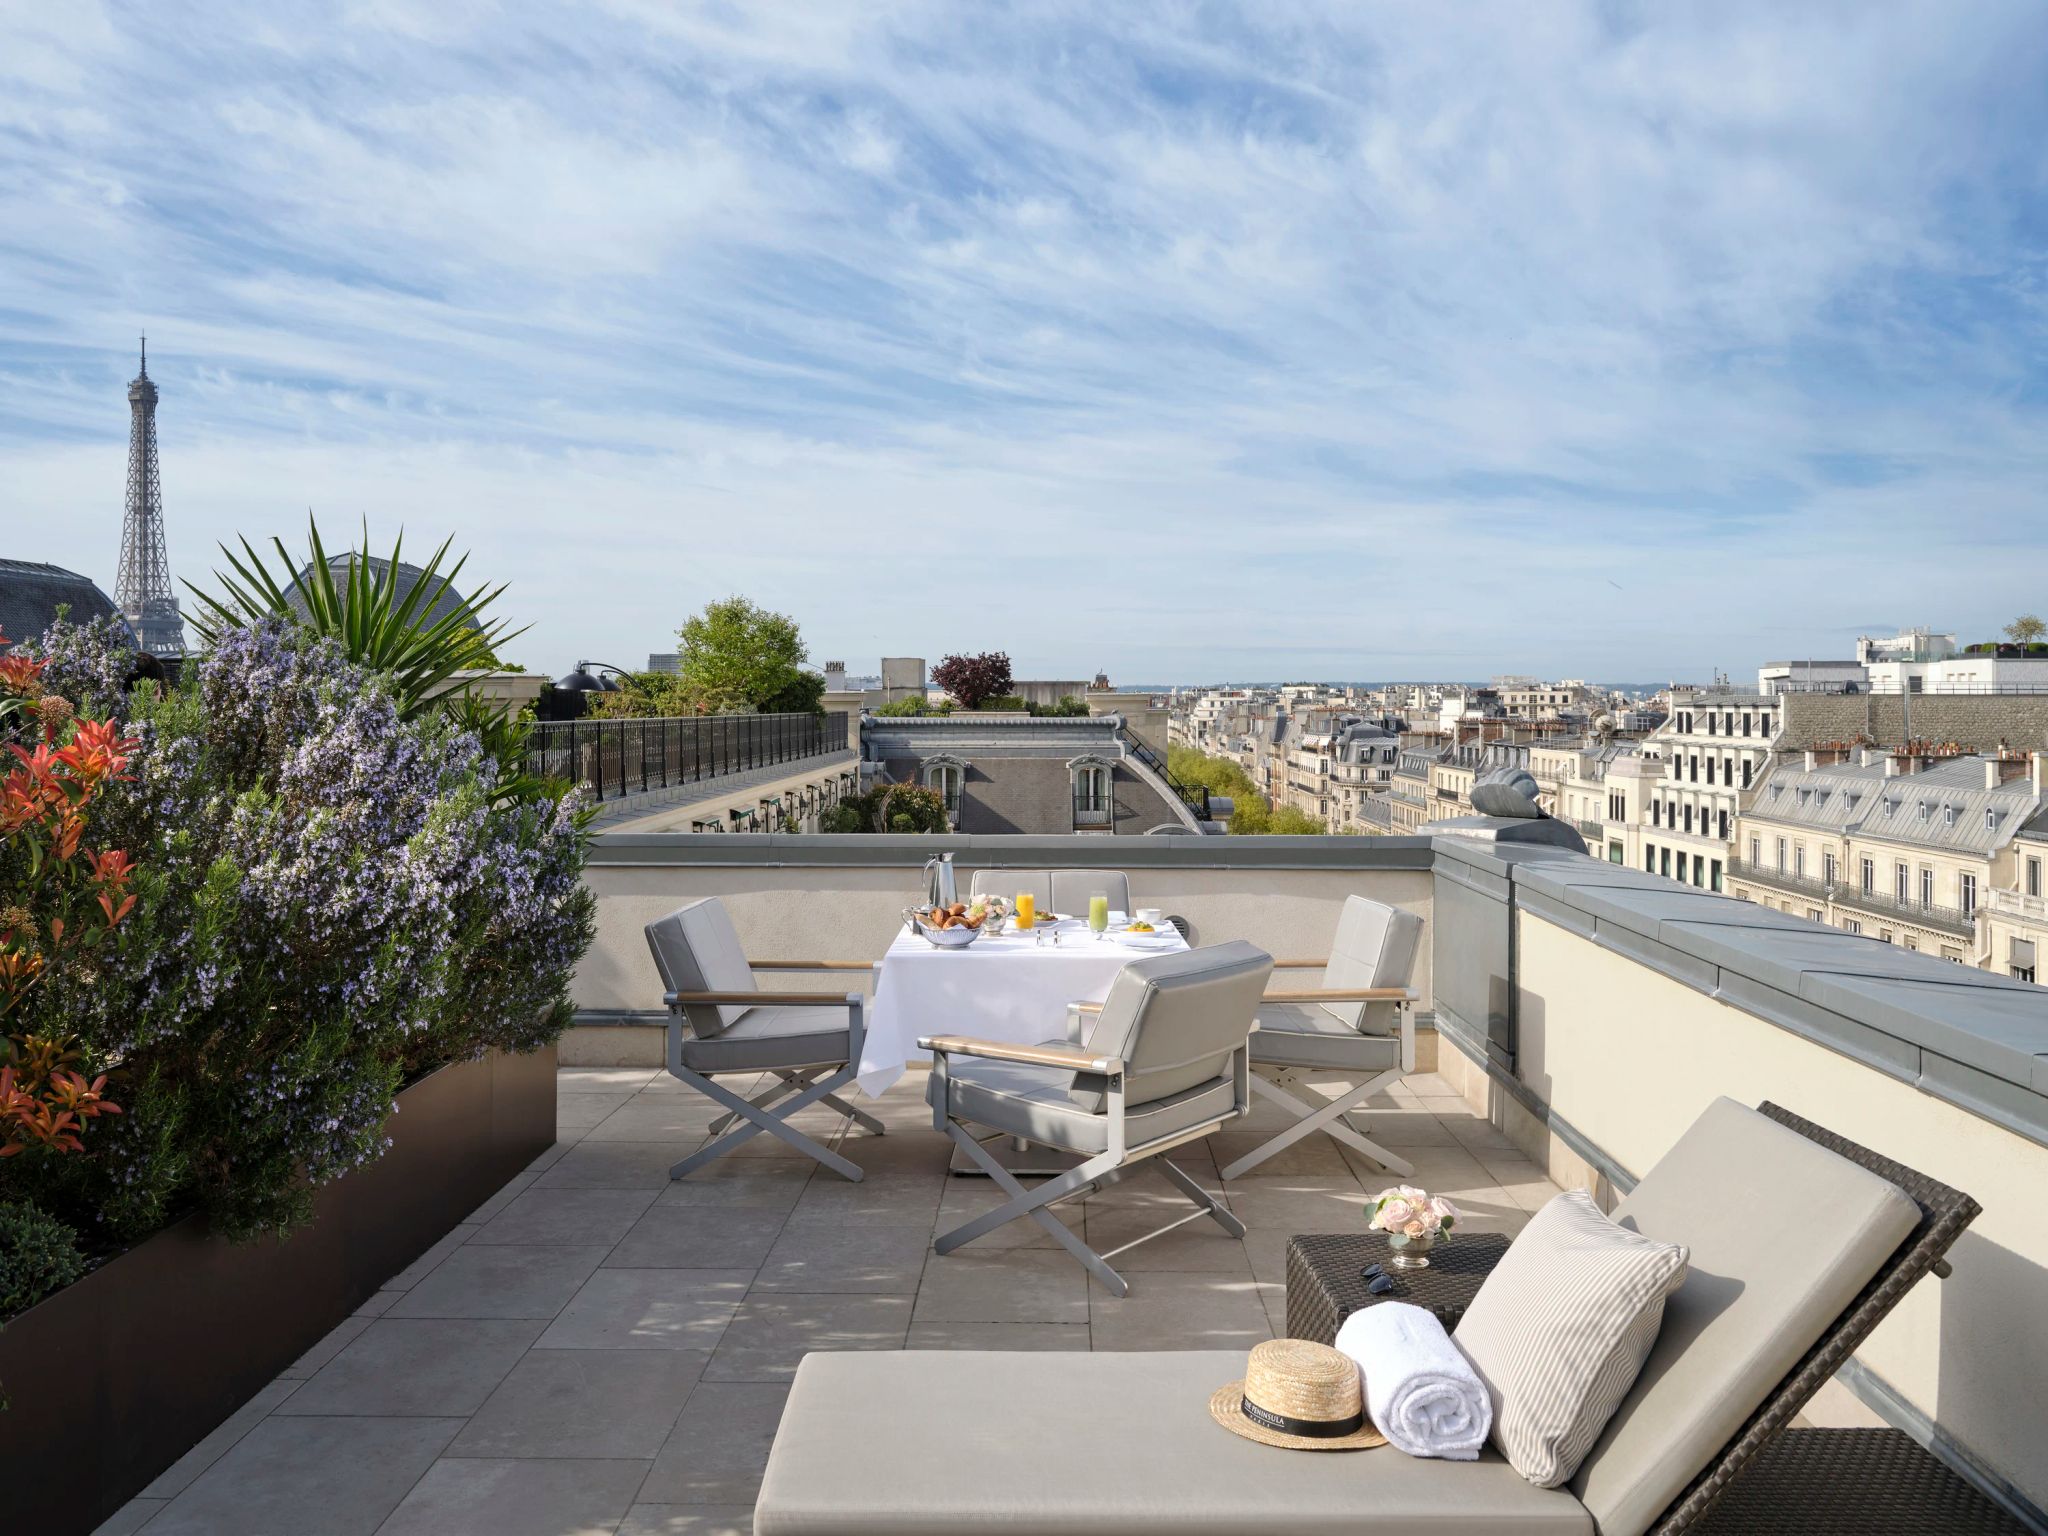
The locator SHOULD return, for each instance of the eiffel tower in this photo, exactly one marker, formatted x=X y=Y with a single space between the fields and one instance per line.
x=142 y=590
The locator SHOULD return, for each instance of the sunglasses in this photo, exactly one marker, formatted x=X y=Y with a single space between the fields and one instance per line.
x=1377 y=1280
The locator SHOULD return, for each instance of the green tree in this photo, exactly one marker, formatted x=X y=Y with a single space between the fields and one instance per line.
x=737 y=650
x=1252 y=814
x=2027 y=629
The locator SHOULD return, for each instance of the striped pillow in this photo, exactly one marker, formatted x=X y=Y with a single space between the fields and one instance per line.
x=1560 y=1329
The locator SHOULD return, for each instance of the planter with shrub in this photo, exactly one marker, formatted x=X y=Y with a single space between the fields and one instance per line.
x=284 y=951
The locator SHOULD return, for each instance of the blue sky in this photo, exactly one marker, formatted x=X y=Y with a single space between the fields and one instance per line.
x=1182 y=341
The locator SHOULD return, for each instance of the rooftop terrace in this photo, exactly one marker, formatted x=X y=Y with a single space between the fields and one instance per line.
x=600 y=1349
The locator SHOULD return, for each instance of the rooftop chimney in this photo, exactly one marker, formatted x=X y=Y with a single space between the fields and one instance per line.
x=1812 y=759
x=1994 y=771
x=1894 y=765
x=2036 y=774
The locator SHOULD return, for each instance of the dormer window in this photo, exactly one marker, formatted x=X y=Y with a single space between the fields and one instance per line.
x=1949 y=814
x=1093 y=780
x=946 y=774
x=1925 y=810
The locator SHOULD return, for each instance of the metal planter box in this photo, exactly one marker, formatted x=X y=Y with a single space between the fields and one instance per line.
x=116 y=1377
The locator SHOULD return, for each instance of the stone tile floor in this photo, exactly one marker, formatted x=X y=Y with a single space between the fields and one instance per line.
x=600 y=1352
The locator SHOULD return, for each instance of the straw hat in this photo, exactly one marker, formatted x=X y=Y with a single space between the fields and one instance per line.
x=1299 y=1395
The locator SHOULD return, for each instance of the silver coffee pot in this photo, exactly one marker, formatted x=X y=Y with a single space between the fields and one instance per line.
x=941 y=890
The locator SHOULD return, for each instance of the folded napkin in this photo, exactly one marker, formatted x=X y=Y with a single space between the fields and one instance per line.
x=1422 y=1393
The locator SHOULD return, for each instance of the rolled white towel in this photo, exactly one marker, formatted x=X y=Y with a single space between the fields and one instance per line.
x=1422 y=1393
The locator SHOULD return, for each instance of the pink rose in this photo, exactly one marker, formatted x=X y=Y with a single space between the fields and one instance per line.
x=1419 y=1227
x=1445 y=1213
x=1394 y=1215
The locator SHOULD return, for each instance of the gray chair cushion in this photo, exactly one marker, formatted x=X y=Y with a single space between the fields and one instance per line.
x=1175 y=1019
x=1056 y=890
x=696 y=950
x=1022 y=1100
x=767 y=1038
x=1009 y=882
x=1769 y=1275
x=1305 y=1035
x=1109 y=1444
x=1375 y=946
x=1071 y=889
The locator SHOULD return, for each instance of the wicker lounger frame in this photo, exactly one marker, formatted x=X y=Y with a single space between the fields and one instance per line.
x=1944 y=1212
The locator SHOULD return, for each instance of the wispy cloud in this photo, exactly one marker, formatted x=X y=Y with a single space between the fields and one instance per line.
x=1178 y=341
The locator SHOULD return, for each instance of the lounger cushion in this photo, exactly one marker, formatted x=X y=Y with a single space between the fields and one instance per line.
x=1306 y=1035
x=941 y=1443
x=1783 y=1234
x=1034 y=1102
x=766 y=1038
x=1560 y=1329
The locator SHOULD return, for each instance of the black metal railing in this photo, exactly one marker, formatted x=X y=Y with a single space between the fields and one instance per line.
x=614 y=758
x=1194 y=796
x=1093 y=810
x=1847 y=894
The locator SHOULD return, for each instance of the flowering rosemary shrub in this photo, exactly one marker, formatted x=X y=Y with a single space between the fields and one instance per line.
x=333 y=900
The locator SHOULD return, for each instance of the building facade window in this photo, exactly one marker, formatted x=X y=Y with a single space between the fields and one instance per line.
x=2033 y=876
x=1827 y=868
x=1902 y=883
x=1967 y=890
x=1715 y=882
x=946 y=778
x=1781 y=855
x=1756 y=852
x=1926 y=887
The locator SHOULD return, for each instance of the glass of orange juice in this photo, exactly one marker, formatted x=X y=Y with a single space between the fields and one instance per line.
x=1027 y=910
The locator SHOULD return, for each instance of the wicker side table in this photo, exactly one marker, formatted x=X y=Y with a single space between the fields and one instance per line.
x=1324 y=1286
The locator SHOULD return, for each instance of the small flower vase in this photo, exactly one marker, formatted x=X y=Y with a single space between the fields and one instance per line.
x=1410 y=1252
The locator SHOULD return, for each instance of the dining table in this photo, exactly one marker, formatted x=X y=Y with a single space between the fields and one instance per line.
x=1011 y=986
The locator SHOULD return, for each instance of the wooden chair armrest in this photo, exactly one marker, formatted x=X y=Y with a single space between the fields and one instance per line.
x=1071 y=1057
x=1299 y=965
x=770 y=999
x=1341 y=995
x=813 y=965
x=1086 y=1007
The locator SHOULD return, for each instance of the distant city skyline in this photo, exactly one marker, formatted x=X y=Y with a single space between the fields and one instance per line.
x=1423 y=344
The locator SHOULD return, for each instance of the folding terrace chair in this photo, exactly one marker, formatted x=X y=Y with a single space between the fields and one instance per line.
x=721 y=1023
x=1166 y=1064
x=1358 y=1024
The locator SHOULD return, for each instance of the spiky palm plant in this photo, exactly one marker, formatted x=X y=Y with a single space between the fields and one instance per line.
x=378 y=628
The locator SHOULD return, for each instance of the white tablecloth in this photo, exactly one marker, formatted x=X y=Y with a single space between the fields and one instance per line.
x=1007 y=987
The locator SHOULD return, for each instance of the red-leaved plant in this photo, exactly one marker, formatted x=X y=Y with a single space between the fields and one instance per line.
x=59 y=898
